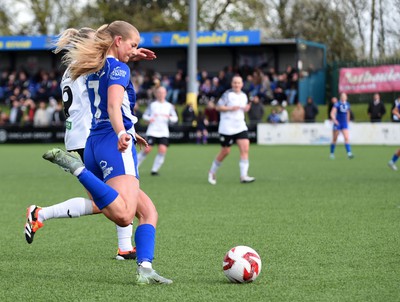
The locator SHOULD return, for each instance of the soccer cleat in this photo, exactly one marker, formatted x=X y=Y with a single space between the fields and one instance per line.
x=32 y=223
x=211 y=178
x=154 y=173
x=392 y=165
x=68 y=161
x=332 y=156
x=350 y=155
x=146 y=276
x=129 y=255
x=247 y=179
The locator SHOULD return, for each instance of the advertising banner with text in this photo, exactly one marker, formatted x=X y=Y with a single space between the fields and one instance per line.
x=370 y=79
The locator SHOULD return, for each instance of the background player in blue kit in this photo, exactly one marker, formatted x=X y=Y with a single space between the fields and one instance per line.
x=111 y=175
x=340 y=115
x=396 y=155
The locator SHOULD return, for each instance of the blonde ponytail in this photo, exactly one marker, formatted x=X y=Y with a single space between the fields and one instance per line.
x=89 y=55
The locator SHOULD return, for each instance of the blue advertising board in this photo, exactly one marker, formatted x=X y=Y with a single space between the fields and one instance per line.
x=149 y=40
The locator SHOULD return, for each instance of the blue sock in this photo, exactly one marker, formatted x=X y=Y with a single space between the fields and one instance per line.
x=348 y=148
x=102 y=193
x=333 y=148
x=145 y=239
x=395 y=158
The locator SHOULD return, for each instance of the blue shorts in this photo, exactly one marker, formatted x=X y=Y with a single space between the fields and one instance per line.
x=339 y=127
x=104 y=160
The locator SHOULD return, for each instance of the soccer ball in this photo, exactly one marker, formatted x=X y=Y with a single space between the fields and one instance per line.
x=241 y=264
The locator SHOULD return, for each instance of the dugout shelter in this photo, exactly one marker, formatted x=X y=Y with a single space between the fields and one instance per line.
x=216 y=50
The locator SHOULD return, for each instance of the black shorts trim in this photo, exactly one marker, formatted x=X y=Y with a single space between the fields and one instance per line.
x=151 y=140
x=228 y=140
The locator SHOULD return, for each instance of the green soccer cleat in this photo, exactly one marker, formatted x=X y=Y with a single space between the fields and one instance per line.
x=68 y=161
x=146 y=276
x=392 y=165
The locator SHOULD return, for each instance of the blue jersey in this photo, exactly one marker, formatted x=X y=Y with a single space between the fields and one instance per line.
x=113 y=72
x=342 y=110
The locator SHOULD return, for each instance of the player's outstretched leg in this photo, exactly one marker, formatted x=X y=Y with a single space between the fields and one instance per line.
x=147 y=275
x=32 y=223
x=69 y=161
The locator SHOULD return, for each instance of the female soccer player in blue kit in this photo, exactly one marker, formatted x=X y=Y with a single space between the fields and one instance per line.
x=110 y=172
x=78 y=124
x=340 y=115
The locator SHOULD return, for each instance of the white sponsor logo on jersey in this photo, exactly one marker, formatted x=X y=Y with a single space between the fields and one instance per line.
x=117 y=73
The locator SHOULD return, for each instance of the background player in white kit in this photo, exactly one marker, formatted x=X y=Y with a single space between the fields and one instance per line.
x=232 y=128
x=159 y=114
x=79 y=118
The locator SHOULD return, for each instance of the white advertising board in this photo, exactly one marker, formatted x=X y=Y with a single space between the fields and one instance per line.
x=321 y=134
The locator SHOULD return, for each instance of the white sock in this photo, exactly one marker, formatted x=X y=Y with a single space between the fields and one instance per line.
x=141 y=157
x=214 y=166
x=71 y=208
x=158 y=161
x=146 y=264
x=125 y=238
x=244 y=167
x=78 y=171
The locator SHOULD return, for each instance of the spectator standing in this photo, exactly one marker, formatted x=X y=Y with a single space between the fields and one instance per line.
x=282 y=113
x=188 y=115
x=201 y=128
x=298 y=113
x=310 y=111
x=58 y=118
x=256 y=111
x=16 y=113
x=177 y=86
x=273 y=117
x=211 y=114
x=41 y=118
x=376 y=109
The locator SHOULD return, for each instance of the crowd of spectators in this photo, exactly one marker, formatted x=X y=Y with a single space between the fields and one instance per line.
x=33 y=100
x=36 y=99
x=28 y=96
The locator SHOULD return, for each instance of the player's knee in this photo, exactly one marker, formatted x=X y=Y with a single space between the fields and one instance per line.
x=226 y=151
x=123 y=220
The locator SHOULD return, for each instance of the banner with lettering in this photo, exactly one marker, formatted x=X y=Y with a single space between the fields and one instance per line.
x=147 y=39
x=370 y=79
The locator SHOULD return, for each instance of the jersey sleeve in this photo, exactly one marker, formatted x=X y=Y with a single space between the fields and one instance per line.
x=120 y=74
x=223 y=101
x=173 y=117
x=147 y=113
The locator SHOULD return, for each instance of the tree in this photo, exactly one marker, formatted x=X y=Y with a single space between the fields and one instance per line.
x=371 y=33
x=5 y=23
x=319 y=21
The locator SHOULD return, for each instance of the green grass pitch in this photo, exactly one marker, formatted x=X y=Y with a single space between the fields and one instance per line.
x=326 y=230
